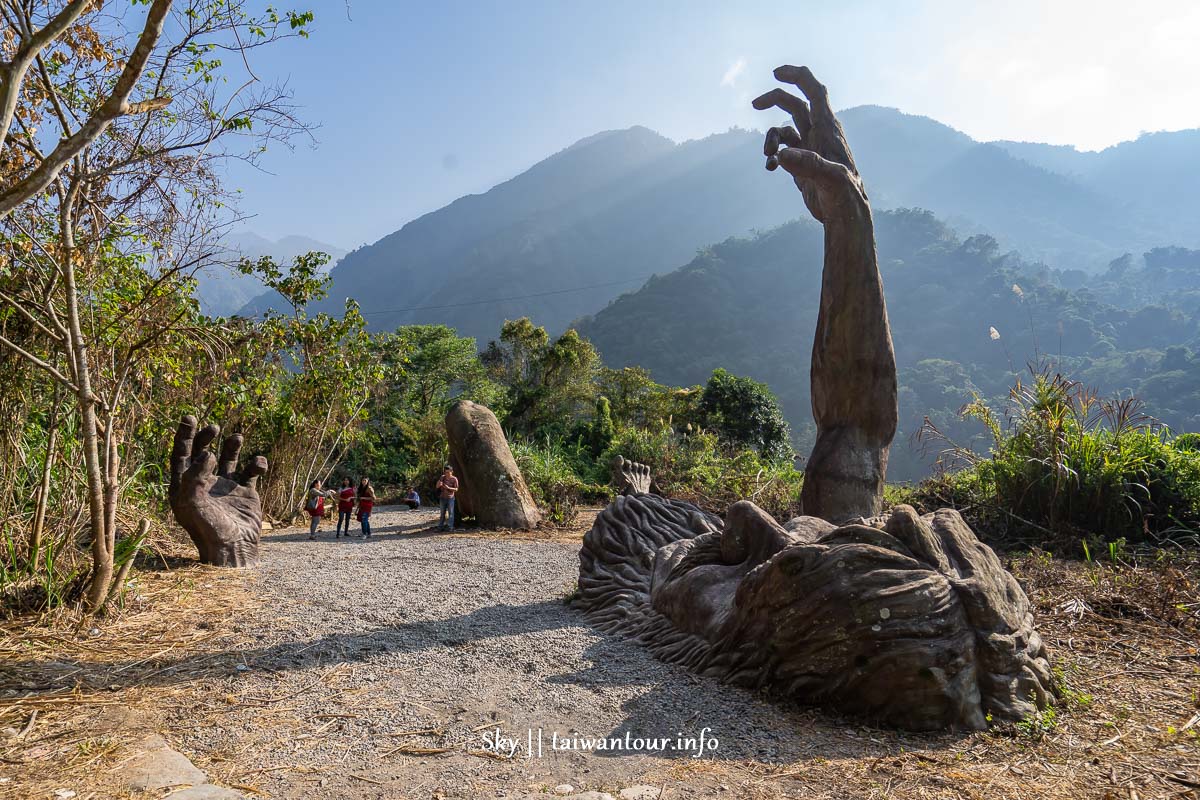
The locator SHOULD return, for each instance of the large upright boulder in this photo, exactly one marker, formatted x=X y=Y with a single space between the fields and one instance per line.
x=492 y=488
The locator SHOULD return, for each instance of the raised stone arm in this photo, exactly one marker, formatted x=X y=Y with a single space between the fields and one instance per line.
x=853 y=371
x=213 y=501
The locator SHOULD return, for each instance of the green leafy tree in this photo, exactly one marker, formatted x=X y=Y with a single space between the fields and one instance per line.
x=109 y=198
x=550 y=386
x=425 y=368
x=601 y=430
x=323 y=367
x=743 y=412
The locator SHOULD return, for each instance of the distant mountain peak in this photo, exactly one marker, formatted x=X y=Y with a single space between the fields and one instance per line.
x=635 y=132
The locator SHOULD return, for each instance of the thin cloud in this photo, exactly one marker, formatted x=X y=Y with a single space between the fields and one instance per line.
x=734 y=72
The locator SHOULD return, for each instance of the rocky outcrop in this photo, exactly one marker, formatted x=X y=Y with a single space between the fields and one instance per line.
x=492 y=486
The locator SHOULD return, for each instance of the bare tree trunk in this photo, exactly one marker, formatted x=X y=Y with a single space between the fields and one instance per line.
x=102 y=535
x=43 y=495
x=123 y=575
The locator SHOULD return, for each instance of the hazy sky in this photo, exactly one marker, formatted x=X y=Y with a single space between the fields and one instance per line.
x=420 y=103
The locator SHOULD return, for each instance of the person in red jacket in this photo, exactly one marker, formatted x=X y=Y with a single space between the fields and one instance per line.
x=315 y=506
x=345 y=506
x=366 y=502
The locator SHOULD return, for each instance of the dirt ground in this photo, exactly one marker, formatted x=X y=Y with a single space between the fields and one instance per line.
x=384 y=668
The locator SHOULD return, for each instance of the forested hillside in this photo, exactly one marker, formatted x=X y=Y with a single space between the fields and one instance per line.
x=598 y=218
x=966 y=319
x=607 y=212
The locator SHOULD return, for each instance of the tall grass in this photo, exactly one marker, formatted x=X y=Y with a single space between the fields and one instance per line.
x=690 y=464
x=694 y=465
x=552 y=472
x=1067 y=465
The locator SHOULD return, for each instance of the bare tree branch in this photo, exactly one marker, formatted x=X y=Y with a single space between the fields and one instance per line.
x=116 y=105
x=39 y=363
x=12 y=74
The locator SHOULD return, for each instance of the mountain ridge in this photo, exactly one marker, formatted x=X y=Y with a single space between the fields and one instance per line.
x=621 y=204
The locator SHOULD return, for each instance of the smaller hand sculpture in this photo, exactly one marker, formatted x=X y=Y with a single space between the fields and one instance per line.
x=632 y=477
x=216 y=504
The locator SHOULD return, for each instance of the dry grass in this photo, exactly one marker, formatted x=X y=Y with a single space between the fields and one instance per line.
x=1126 y=638
x=69 y=684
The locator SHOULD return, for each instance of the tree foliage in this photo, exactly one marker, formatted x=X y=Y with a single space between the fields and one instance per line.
x=744 y=412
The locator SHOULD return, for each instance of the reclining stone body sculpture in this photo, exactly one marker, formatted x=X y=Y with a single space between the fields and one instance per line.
x=908 y=620
x=212 y=500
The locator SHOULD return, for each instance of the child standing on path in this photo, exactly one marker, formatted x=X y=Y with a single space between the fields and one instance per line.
x=315 y=506
x=447 y=487
x=366 y=502
x=345 y=506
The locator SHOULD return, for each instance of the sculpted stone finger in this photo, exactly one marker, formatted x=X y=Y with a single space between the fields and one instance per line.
x=231 y=449
x=778 y=98
x=204 y=438
x=807 y=165
x=803 y=79
x=256 y=467
x=780 y=136
x=203 y=462
x=181 y=453
x=777 y=137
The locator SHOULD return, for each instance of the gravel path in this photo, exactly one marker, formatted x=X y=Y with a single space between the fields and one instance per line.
x=363 y=642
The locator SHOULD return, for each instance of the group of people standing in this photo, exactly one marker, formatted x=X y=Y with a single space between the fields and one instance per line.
x=347 y=498
x=363 y=497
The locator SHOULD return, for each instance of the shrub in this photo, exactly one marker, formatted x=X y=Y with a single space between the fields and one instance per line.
x=551 y=473
x=1071 y=466
x=745 y=413
x=1187 y=442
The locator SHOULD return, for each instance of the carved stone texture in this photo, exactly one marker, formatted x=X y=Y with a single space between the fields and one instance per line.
x=853 y=373
x=914 y=623
x=214 y=502
x=632 y=477
x=489 y=474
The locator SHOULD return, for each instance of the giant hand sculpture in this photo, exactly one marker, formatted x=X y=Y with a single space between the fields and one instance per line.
x=910 y=621
x=853 y=373
x=216 y=504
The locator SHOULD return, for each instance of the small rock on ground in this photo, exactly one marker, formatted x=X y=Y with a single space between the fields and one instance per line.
x=157 y=766
x=207 y=792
